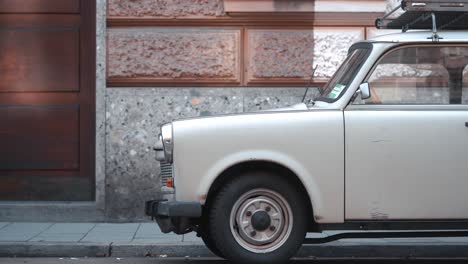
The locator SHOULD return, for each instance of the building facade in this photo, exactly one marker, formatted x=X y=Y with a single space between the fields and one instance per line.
x=86 y=85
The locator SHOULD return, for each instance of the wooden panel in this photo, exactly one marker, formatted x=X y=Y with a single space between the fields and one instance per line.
x=40 y=6
x=34 y=137
x=39 y=60
x=46 y=188
x=47 y=100
x=39 y=99
x=38 y=20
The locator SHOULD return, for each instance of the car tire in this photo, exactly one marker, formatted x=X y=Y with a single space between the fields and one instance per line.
x=258 y=217
x=209 y=243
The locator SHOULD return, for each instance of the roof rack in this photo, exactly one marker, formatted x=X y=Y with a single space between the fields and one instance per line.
x=427 y=14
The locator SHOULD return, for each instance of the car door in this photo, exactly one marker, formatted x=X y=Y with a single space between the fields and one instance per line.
x=407 y=146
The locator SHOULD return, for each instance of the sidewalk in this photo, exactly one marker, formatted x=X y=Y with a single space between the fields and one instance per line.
x=145 y=239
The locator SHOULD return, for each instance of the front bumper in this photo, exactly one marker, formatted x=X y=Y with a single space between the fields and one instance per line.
x=172 y=216
x=164 y=208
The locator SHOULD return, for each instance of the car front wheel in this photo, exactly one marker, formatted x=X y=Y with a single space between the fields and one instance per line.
x=258 y=217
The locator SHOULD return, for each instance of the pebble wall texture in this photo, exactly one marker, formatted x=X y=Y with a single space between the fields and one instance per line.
x=166 y=8
x=181 y=53
x=133 y=118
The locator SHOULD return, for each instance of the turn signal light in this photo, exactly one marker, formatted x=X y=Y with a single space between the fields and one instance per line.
x=170 y=182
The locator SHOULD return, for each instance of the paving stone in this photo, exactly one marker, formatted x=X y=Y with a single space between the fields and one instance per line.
x=150 y=233
x=107 y=239
x=57 y=238
x=3 y=224
x=132 y=227
x=163 y=237
x=15 y=238
x=26 y=227
x=114 y=229
x=70 y=228
x=148 y=230
x=111 y=233
x=22 y=231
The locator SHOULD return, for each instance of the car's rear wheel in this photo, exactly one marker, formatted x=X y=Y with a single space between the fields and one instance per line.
x=252 y=219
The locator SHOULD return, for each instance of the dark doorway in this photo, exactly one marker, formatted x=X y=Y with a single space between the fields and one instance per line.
x=47 y=93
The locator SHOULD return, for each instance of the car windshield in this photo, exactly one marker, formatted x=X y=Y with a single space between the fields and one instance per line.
x=344 y=75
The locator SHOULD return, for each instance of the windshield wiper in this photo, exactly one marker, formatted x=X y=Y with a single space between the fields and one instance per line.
x=309 y=83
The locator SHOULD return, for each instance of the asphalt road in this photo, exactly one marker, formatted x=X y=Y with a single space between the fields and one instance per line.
x=216 y=261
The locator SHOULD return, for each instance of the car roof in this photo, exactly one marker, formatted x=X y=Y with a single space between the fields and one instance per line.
x=423 y=36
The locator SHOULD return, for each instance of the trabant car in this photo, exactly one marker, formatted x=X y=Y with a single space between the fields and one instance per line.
x=384 y=146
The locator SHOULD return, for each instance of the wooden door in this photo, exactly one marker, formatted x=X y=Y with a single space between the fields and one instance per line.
x=47 y=91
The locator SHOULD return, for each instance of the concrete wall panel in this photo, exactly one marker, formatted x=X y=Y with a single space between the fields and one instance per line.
x=177 y=53
x=291 y=53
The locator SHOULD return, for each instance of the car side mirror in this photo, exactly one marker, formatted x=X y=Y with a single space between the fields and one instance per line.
x=365 y=91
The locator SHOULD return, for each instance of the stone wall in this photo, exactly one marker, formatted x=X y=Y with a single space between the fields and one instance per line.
x=242 y=56
x=292 y=53
x=175 y=53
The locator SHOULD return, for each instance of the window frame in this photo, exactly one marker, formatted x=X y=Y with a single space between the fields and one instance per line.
x=402 y=46
x=360 y=45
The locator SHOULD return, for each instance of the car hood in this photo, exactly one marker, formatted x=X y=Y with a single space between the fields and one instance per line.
x=295 y=107
x=300 y=106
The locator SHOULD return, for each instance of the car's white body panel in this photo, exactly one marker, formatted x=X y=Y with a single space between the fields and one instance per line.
x=418 y=156
x=406 y=162
x=309 y=143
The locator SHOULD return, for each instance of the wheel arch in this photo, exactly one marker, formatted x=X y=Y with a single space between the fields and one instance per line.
x=267 y=166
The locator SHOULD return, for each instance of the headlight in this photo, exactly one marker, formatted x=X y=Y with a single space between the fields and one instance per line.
x=159 y=148
x=166 y=132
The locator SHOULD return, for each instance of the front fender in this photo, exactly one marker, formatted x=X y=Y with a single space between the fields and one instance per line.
x=305 y=176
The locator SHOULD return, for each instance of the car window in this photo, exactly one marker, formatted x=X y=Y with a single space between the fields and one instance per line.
x=420 y=75
x=343 y=77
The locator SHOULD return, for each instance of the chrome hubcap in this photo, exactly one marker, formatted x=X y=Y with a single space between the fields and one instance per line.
x=261 y=220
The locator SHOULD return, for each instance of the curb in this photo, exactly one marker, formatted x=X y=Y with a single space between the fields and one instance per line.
x=160 y=250
x=53 y=249
x=330 y=250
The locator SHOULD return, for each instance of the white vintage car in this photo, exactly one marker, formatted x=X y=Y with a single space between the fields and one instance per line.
x=385 y=146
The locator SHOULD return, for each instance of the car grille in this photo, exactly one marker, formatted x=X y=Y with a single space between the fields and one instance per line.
x=166 y=172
